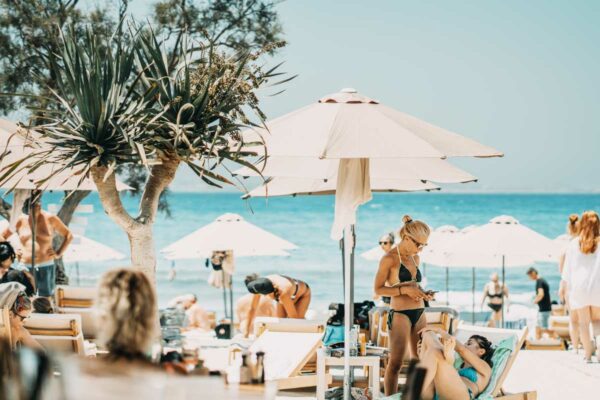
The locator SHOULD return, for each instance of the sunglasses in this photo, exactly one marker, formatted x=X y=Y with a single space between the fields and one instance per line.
x=419 y=245
x=382 y=243
x=22 y=318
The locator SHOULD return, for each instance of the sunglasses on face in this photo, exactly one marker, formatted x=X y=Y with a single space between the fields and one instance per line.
x=22 y=318
x=419 y=245
x=382 y=243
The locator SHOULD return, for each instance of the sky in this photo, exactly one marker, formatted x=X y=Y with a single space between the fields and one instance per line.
x=520 y=76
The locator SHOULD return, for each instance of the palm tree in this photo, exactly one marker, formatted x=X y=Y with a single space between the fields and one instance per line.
x=131 y=102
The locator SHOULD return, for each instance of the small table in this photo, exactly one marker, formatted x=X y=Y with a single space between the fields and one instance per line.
x=324 y=361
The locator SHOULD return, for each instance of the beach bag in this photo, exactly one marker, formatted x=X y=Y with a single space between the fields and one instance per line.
x=333 y=334
x=361 y=314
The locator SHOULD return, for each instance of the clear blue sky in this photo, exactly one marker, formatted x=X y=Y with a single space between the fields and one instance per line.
x=522 y=76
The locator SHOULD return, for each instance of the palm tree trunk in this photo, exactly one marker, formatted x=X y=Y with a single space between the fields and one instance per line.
x=139 y=229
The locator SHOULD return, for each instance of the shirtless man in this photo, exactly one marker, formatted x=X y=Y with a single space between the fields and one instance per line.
x=46 y=225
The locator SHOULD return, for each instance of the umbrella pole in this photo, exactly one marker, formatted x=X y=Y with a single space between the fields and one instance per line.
x=473 y=299
x=503 y=283
x=231 y=305
x=447 y=286
x=347 y=245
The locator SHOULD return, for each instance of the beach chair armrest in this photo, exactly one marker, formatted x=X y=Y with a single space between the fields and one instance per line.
x=518 y=396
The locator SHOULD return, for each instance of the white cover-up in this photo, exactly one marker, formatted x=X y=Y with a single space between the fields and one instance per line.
x=582 y=274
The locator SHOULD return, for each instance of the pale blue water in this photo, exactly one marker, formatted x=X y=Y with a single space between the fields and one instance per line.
x=306 y=221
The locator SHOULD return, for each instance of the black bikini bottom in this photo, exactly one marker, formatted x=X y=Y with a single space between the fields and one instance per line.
x=413 y=316
x=495 y=307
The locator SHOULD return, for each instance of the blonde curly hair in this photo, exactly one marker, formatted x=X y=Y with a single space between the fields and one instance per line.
x=126 y=307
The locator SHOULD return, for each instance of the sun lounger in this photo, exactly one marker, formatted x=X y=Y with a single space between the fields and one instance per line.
x=286 y=356
x=57 y=332
x=5 y=324
x=272 y=324
x=89 y=327
x=508 y=342
x=75 y=297
x=545 y=343
x=446 y=318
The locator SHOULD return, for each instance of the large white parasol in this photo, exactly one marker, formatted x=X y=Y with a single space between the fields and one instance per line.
x=354 y=130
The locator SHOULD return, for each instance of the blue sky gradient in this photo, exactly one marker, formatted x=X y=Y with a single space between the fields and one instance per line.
x=522 y=76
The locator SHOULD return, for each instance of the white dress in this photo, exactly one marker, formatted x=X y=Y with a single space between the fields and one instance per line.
x=582 y=275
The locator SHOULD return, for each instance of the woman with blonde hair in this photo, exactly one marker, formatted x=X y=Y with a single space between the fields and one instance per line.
x=572 y=232
x=126 y=307
x=398 y=277
x=581 y=274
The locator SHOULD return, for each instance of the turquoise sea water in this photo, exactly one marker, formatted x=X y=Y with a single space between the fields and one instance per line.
x=306 y=221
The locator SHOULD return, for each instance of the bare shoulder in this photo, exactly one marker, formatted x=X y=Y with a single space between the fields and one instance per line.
x=387 y=260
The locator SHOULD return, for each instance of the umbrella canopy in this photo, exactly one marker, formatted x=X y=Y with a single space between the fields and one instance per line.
x=83 y=249
x=424 y=169
x=228 y=232
x=350 y=125
x=16 y=143
x=501 y=242
x=282 y=186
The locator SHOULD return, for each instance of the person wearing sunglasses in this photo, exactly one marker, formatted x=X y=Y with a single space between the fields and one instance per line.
x=13 y=297
x=398 y=277
x=386 y=242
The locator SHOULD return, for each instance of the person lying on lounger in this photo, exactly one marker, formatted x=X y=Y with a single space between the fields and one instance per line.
x=442 y=381
x=292 y=295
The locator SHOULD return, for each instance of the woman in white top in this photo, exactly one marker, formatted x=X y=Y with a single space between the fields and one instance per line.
x=582 y=276
x=573 y=232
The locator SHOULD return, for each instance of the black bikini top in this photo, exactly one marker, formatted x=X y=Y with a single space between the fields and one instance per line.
x=404 y=274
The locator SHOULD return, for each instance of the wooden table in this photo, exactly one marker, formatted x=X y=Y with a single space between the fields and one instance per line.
x=324 y=361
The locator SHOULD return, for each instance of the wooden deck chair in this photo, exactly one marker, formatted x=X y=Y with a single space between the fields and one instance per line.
x=75 y=297
x=89 y=325
x=559 y=326
x=497 y=335
x=446 y=318
x=5 y=324
x=273 y=324
x=58 y=332
x=286 y=356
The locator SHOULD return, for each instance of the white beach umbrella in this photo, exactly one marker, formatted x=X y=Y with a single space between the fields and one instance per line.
x=83 y=249
x=355 y=129
x=284 y=186
x=501 y=243
x=228 y=232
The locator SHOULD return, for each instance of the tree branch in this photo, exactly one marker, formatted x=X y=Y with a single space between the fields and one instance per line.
x=159 y=179
x=111 y=201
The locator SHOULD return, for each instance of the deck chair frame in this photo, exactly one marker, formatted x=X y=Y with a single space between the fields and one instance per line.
x=63 y=301
x=498 y=393
x=72 y=334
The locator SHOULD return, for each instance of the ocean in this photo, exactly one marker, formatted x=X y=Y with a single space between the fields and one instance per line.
x=306 y=221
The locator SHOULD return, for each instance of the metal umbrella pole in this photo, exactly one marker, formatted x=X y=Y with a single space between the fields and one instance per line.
x=347 y=246
x=447 y=286
x=503 y=283
x=473 y=299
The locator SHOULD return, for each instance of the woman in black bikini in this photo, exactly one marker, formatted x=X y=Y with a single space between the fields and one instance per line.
x=494 y=291
x=292 y=295
x=398 y=276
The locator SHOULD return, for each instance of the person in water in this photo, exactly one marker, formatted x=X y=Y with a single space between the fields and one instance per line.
x=398 y=277
x=46 y=225
x=496 y=295
x=442 y=380
x=292 y=296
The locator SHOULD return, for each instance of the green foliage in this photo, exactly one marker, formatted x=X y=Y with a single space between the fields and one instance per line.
x=136 y=103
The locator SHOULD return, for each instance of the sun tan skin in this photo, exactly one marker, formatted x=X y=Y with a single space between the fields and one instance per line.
x=46 y=225
x=436 y=354
x=404 y=296
x=19 y=334
x=265 y=308
x=286 y=307
x=496 y=317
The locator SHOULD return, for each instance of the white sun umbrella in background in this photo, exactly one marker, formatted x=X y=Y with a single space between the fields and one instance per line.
x=439 y=237
x=501 y=243
x=229 y=232
x=83 y=249
x=355 y=130
x=15 y=144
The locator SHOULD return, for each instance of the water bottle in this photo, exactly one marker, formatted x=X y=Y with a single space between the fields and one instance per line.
x=354 y=340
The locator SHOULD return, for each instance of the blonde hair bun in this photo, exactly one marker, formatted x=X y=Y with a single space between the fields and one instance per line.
x=406 y=219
